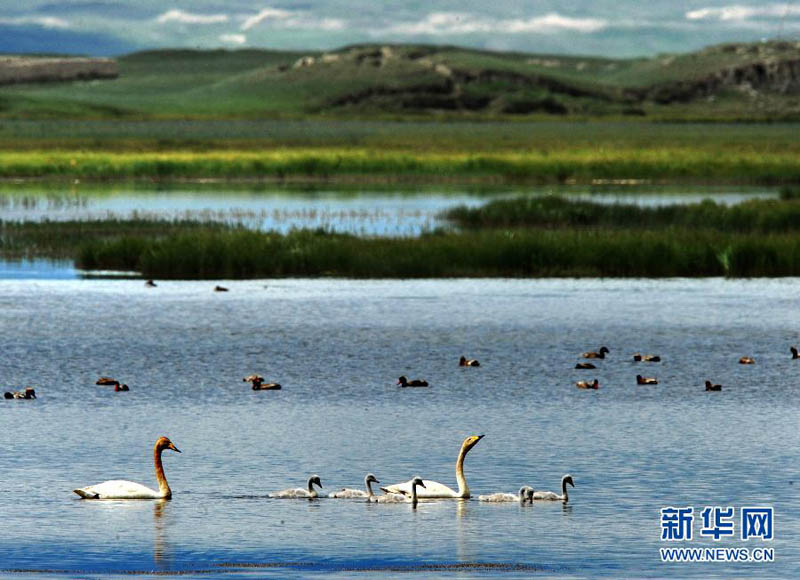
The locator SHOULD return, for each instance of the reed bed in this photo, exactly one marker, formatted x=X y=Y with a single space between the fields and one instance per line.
x=584 y=165
x=238 y=253
x=765 y=216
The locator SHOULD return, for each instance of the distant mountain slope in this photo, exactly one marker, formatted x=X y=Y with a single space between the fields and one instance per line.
x=737 y=81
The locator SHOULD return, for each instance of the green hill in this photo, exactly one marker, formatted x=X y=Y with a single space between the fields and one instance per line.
x=727 y=82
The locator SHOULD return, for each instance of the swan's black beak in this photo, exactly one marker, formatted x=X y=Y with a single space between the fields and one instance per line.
x=175 y=448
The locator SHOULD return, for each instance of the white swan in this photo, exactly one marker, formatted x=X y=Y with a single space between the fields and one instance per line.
x=436 y=489
x=357 y=493
x=299 y=492
x=525 y=494
x=552 y=496
x=119 y=489
x=399 y=497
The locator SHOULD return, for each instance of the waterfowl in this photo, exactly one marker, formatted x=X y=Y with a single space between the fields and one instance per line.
x=640 y=380
x=468 y=362
x=404 y=382
x=525 y=494
x=27 y=393
x=118 y=489
x=436 y=489
x=107 y=381
x=585 y=366
x=150 y=284
x=587 y=385
x=252 y=378
x=259 y=386
x=299 y=492
x=646 y=357
x=118 y=387
x=552 y=496
x=710 y=387
x=400 y=497
x=357 y=493
x=747 y=360
x=599 y=354
x=795 y=354
x=220 y=289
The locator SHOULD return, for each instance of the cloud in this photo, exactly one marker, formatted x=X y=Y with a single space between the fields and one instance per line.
x=233 y=38
x=182 y=17
x=740 y=12
x=265 y=14
x=465 y=23
x=43 y=21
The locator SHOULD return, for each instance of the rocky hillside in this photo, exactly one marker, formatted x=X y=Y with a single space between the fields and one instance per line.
x=32 y=69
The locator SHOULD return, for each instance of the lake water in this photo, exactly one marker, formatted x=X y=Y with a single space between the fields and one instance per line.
x=338 y=346
x=373 y=211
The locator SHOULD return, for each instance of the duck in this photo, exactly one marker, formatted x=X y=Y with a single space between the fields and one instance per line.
x=640 y=380
x=795 y=354
x=404 y=382
x=599 y=354
x=525 y=494
x=348 y=493
x=150 y=284
x=585 y=366
x=637 y=357
x=118 y=489
x=436 y=489
x=587 y=385
x=26 y=393
x=552 y=496
x=299 y=492
x=401 y=497
x=220 y=289
x=710 y=387
x=468 y=362
x=107 y=382
x=747 y=360
x=121 y=387
x=259 y=386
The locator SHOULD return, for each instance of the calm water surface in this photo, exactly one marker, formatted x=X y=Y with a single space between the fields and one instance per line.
x=337 y=347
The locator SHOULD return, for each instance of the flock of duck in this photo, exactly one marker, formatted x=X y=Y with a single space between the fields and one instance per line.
x=652 y=358
x=410 y=491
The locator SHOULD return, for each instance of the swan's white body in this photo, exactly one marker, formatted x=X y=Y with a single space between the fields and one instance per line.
x=399 y=497
x=299 y=492
x=347 y=493
x=525 y=494
x=552 y=496
x=439 y=490
x=121 y=489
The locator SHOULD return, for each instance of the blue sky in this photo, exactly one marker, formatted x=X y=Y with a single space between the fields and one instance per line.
x=618 y=28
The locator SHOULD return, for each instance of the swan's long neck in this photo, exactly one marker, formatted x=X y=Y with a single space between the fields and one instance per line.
x=414 y=494
x=311 y=485
x=163 y=486
x=564 y=495
x=463 y=488
x=368 y=483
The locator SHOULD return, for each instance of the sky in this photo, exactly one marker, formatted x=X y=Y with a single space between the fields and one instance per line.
x=613 y=28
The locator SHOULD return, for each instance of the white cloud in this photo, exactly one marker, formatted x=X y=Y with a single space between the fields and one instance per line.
x=233 y=38
x=465 y=23
x=43 y=21
x=182 y=17
x=265 y=14
x=740 y=12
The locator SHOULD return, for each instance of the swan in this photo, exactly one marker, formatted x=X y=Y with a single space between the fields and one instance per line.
x=585 y=366
x=587 y=385
x=795 y=354
x=436 y=489
x=357 y=493
x=27 y=393
x=468 y=362
x=118 y=489
x=552 y=496
x=404 y=382
x=640 y=380
x=525 y=494
x=399 y=497
x=599 y=354
x=747 y=360
x=299 y=492
x=646 y=357
x=710 y=387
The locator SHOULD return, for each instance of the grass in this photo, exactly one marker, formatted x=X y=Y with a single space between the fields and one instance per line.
x=753 y=216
